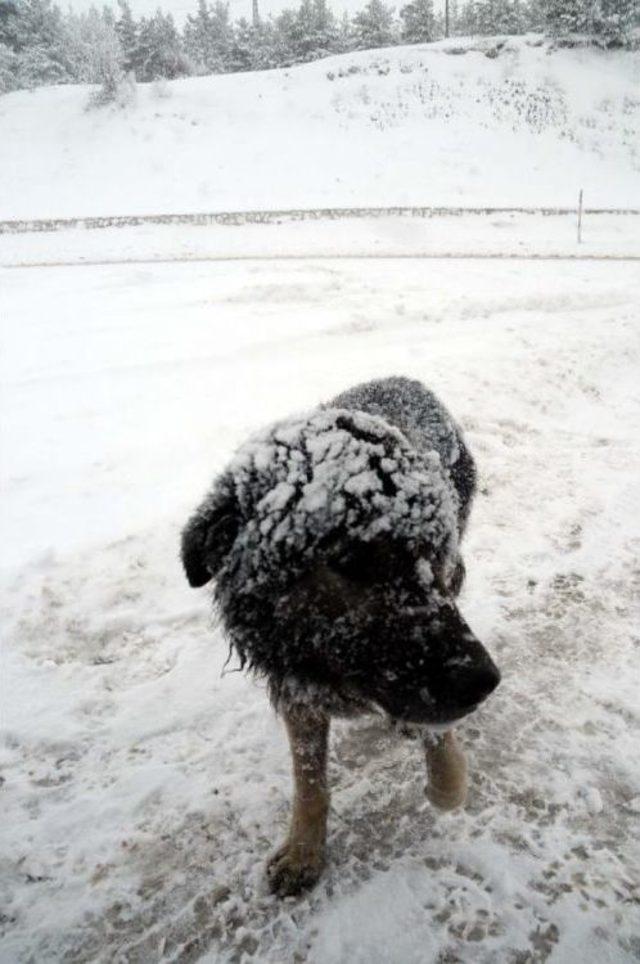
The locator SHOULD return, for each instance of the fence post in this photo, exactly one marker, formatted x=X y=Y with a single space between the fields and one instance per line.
x=580 y=217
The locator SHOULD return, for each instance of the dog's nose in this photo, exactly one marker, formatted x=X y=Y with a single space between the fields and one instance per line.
x=474 y=685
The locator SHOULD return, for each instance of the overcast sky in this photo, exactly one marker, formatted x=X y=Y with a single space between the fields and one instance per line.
x=237 y=8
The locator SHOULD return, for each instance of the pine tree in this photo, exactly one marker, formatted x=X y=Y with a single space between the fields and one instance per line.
x=8 y=68
x=242 y=53
x=8 y=45
x=40 y=44
x=418 y=22
x=127 y=31
x=468 y=19
x=373 y=26
x=93 y=47
x=198 y=39
x=454 y=14
x=8 y=24
x=302 y=36
x=562 y=17
x=345 y=40
x=612 y=21
x=222 y=33
x=283 y=37
x=517 y=17
x=325 y=27
x=490 y=12
x=534 y=16
x=616 y=19
x=485 y=14
x=488 y=17
x=264 y=47
x=160 y=52
x=145 y=50
x=312 y=32
x=36 y=67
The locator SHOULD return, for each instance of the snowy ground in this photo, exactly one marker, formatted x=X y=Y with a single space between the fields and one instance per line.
x=401 y=126
x=142 y=789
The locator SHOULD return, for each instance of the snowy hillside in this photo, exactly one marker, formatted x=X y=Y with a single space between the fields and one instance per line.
x=410 y=125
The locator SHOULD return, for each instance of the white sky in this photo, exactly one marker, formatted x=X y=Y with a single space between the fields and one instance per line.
x=237 y=8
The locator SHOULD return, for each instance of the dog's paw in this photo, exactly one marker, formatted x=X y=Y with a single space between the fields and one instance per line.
x=447 y=770
x=293 y=869
x=447 y=798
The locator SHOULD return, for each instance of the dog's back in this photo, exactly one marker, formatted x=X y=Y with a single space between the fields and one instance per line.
x=424 y=421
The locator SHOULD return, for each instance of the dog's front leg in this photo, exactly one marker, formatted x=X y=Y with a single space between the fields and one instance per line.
x=446 y=770
x=299 y=861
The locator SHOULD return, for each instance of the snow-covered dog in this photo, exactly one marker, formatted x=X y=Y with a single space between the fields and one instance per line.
x=333 y=539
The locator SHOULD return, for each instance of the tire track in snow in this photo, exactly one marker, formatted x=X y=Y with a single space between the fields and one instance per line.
x=377 y=256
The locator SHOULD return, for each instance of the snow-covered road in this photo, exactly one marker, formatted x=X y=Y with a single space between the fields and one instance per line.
x=143 y=789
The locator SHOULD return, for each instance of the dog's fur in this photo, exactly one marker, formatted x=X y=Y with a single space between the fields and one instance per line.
x=333 y=539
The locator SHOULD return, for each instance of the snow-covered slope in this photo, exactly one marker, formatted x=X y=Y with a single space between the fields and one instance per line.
x=410 y=125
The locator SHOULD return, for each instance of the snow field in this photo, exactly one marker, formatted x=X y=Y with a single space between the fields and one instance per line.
x=401 y=126
x=143 y=789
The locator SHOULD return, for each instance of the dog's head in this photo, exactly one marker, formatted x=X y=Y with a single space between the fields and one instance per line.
x=333 y=544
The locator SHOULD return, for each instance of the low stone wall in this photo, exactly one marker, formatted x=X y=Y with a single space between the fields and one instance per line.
x=275 y=217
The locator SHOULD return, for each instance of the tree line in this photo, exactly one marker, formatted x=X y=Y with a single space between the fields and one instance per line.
x=41 y=44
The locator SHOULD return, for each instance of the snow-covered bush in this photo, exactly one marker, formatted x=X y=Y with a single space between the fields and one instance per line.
x=117 y=88
x=93 y=47
x=160 y=89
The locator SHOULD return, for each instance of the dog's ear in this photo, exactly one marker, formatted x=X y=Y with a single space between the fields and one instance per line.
x=209 y=535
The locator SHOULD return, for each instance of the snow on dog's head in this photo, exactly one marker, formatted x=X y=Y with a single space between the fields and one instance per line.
x=299 y=486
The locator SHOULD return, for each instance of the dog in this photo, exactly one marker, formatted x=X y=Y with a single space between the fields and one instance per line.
x=333 y=539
